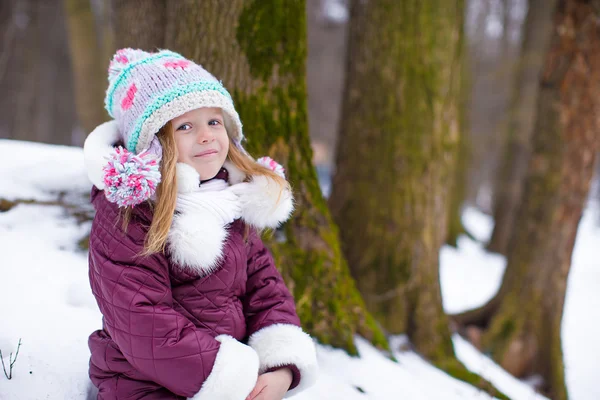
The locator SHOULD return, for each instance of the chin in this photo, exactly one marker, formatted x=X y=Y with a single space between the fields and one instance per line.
x=206 y=176
x=208 y=172
x=207 y=169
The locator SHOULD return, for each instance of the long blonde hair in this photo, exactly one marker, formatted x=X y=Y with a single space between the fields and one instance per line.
x=166 y=191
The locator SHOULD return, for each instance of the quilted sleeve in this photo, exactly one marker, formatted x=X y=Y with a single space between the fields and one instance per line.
x=273 y=325
x=134 y=296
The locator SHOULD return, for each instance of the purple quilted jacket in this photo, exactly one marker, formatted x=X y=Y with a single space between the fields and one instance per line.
x=171 y=332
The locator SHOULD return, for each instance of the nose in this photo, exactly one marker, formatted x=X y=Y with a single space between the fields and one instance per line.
x=205 y=135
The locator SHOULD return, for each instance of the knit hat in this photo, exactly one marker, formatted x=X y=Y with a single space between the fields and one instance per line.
x=145 y=91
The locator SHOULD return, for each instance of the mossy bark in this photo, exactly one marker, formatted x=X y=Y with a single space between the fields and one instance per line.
x=509 y=187
x=396 y=162
x=523 y=321
x=459 y=186
x=395 y=157
x=258 y=49
x=88 y=72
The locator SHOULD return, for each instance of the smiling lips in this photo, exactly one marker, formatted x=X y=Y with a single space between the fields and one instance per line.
x=206 y=153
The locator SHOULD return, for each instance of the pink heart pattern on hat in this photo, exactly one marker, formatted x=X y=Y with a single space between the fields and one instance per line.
x=128 y=99
x=177 y=64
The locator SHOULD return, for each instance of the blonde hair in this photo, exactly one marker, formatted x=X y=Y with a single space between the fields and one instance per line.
x=166 y=191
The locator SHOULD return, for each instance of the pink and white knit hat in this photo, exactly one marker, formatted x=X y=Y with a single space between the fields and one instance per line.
x=146 y=90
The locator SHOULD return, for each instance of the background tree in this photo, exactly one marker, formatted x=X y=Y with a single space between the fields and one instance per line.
x=396 y=146
x=458 y=190
x=395 y=164
x=126 y=16
x=35 y=73
x=522 y=322
x=508 y=190
x=89 y=74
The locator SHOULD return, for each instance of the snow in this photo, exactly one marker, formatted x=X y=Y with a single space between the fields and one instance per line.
x=29 y=170
x=484 y=366
x=470 y=276
x=581 y=319
x=47 y=303
x=335 y=11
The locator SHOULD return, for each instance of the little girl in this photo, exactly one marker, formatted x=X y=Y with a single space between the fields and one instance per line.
x=192 y=304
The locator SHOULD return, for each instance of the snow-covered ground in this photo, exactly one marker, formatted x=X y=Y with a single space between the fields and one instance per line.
x=45 y=301
x=470 y=276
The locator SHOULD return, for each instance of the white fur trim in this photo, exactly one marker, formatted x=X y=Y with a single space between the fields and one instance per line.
x=196 y=240
x=235 y=175
x=188 y=181
x=98 y=145
x=281 y=344
x=196 y=236
x=234 y=373
x=265 y=204
x=188 y=178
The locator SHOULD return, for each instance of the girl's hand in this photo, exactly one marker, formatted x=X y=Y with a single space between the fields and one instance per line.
x=272 y=385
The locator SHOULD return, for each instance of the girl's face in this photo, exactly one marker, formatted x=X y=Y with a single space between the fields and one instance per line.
x=202 y=140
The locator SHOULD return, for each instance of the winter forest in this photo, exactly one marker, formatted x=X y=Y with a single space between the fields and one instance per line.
x=443 y=159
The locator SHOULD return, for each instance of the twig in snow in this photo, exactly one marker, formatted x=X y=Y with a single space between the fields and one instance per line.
x=11 y=361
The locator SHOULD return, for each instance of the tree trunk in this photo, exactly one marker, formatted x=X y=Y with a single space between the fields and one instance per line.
x=35 y=82
x=258 y=49
x=139 y=23
x=509 y=188
x=35 y=75
x=397 y=143
x=88 y=65
x=395 y=164
x=523 y=321
x=459 y=188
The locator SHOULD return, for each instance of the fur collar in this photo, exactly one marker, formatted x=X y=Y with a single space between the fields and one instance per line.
x=196 y=239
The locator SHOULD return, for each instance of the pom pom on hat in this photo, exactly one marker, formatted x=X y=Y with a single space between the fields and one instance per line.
x=272 y=165
x=130 y=179
x=121 y=59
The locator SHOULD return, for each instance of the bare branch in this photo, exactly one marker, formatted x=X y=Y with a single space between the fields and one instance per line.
x=10 y=361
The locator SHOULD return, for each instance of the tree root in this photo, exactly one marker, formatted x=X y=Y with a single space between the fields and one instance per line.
x=457 y=370
x=479 y=317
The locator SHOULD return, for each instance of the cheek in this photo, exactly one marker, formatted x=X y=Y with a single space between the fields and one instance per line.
x=181 y=145
x=224 y=141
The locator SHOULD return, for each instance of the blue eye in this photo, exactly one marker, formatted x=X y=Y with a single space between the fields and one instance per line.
x=179 y=129
x=214 y=122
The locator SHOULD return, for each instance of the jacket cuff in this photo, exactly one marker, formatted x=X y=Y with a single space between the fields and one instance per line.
x=283 y=345
x=295 y=374
x=234 y=372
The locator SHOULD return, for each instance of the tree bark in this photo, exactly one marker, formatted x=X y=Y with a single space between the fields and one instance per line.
x=459 y=186
x=523 y=321
x=139 y=23
x=396 y=148
x=258 y=49
x=36 y=102
x=509 y=187
x=88 y=65
x=396 y=154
